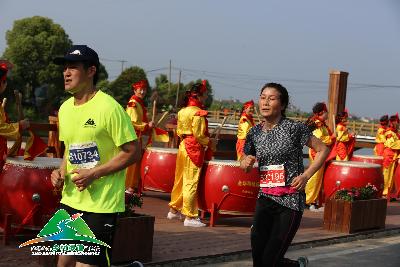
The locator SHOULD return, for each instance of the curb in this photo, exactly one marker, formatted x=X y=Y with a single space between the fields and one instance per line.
x=246 y=254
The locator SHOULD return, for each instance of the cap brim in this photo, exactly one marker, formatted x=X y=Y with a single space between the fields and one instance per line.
x=59 y=60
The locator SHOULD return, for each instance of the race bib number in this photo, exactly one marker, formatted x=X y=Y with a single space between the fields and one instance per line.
x=272 y=176
x=84 y=156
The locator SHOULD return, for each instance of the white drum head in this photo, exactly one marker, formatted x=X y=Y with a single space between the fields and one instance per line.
x=163 y=150
x=367 y=157
x=355 y=164
x=38 y=162
x=230 y=163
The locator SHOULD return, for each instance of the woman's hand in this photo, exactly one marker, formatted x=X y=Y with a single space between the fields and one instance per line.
x=247 y=162
x=300 y=182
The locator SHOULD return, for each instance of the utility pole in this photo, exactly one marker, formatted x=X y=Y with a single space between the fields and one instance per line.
x=177 y=90
x=122 y=64
x=169 y=78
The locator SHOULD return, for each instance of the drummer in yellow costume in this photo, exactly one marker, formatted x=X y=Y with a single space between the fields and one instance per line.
x=344 y=140
x=192 y=129
x=7 y=130
x=323 y=133
x=380 y=136
x=245 y=123
x=136 y=110
x=391 y=153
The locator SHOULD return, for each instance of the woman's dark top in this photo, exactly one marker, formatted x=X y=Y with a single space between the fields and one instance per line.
x=283 y=144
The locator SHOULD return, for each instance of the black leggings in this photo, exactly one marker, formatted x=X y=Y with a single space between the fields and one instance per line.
x=274 y=227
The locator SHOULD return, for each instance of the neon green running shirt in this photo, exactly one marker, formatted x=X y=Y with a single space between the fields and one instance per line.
x=92 y=134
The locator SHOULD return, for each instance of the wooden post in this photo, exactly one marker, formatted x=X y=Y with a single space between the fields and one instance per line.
x=336 y=94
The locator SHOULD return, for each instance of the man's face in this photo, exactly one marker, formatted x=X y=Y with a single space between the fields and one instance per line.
x=140 y=92
x=76 y=77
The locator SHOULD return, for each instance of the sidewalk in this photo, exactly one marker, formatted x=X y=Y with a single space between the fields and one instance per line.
x=176 y=245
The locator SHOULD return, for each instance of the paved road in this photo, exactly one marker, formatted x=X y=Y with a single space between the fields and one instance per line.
x=382 y=252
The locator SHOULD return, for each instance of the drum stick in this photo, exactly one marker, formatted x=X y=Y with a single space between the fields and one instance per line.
x=162 y=117
x=3 y=104
x=17 y=144
x=217 y=130
x=18 y=97
x=154 y=110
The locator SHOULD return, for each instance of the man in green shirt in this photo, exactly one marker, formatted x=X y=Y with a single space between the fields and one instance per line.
x=100 y=143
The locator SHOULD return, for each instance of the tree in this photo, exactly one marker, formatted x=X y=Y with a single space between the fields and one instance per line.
x=121 y=88
x=31 y=46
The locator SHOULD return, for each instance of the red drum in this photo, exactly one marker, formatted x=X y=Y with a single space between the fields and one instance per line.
x=368 y=159
x=158 y=169
x=224 y=188
x=348 y=174
x=26 y=191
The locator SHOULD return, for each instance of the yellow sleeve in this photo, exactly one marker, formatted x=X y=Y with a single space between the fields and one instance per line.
x=342 y=134
x=136 y=115
x=8 y=130
x=392 y=142
x=380 y=136
x=199 y=130
x=243 y=128
x=322 y=134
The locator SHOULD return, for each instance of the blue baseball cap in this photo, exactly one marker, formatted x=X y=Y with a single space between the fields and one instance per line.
x=78 y=53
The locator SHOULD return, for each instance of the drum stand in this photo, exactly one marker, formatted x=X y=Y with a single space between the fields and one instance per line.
x=215 y=209
x=7 y=229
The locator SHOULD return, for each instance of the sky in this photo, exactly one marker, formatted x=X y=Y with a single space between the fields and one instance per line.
x=241 y=45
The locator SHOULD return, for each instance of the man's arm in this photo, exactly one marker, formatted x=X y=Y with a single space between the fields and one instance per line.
x=129 y=154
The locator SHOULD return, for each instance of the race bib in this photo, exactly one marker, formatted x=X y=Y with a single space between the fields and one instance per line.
x=84 y=155
x=272 y=176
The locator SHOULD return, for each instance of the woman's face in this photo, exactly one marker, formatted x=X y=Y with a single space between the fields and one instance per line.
x=270 y=103
x=324 y=115
x=203 y=97
x=141 y=92
x=249 y=110
x=3 y=85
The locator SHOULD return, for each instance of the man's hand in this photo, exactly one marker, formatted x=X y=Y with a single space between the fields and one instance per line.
x=213 y=144
x=247 y=162
x=151 y=125
x=57 y=178
x=300 y=182
x=24 y=124
x=82 y=178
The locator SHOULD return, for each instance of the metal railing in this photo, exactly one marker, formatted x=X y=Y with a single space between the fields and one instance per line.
x=360 y=128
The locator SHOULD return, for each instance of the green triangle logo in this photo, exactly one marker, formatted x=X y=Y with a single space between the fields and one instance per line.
x=62 y=226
